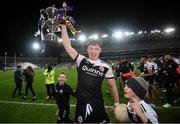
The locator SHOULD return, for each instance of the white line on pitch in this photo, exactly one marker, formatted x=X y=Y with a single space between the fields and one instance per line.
x=47 y=104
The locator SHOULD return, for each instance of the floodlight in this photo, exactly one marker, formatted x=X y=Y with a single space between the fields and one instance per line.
x=104 y=36
x=118 y=34
x=82 y=38
x=94 y=36
x=36 y=46
x=169 y=30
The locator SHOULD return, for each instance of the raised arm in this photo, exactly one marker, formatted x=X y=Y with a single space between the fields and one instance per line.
x=67 y=44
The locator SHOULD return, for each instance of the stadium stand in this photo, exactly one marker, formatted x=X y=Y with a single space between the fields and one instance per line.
x=133 y=47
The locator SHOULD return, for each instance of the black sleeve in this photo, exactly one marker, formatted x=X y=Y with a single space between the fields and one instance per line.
x=17 y=74
x=56 y=92
x=73 y=93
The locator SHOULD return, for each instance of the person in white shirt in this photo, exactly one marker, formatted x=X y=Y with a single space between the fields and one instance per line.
x=139 y=111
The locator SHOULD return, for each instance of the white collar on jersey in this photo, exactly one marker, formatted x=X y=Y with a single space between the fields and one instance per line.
x=93 y=61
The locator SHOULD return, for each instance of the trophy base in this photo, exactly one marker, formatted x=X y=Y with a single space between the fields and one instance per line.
x=51 y=37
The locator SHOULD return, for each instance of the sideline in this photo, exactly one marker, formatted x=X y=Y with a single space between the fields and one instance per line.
x=43 y=104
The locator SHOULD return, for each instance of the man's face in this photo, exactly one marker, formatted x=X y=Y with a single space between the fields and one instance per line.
x=167 y=57
x=93 y=51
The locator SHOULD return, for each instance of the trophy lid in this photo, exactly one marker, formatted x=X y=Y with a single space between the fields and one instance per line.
x=51 y=12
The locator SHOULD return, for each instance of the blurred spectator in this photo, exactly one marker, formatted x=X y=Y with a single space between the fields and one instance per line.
x=18 y=78
x=170 y=79
x=29 y=77
x=124 y=68
x=147 y=70
x=49 y=74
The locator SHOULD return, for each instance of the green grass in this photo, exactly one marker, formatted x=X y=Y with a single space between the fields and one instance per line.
x=31 y=113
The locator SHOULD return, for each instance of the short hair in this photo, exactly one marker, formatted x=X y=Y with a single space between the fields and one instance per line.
x=149 y=56
x=63 y=74
x=50 y=67
x=146 y=57
x=95 y=42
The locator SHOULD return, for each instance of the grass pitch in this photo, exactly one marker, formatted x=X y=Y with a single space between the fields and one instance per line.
x=16 y=110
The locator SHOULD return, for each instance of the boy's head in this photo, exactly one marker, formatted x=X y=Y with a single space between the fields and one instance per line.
x=62 y=77
x=138 y=85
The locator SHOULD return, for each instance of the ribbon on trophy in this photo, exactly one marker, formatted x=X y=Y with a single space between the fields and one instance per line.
x=48 y=24
x=68 y=20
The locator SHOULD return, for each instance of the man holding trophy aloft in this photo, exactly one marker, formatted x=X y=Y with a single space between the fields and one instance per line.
x=91 y=72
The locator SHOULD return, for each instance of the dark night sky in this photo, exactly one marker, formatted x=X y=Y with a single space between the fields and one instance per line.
x=19 y=19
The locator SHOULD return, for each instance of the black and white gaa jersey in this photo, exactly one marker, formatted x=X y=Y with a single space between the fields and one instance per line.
x=90 y=78
x=148 y=111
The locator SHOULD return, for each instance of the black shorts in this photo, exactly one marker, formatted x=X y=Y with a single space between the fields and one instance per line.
x=97 y=115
